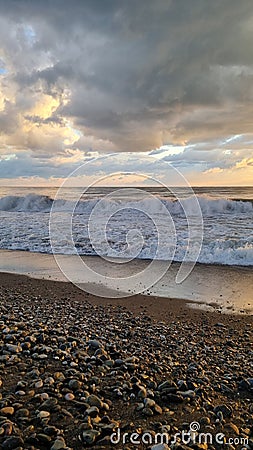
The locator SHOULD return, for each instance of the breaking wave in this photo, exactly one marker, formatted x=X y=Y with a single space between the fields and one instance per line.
x=209 y=206
x=228 y=236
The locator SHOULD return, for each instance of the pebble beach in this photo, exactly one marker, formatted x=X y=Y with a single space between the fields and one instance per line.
x=76 y=369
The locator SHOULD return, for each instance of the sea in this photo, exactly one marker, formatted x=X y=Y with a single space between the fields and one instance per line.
x=227 y=213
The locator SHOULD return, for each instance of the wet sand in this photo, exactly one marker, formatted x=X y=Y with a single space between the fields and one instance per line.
x=158 y=308
x=230 y=289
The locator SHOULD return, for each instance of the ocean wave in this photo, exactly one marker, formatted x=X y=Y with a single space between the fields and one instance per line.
x=221 y=253
x=227 y=253
x=210 y=206
x=227 y=233
x=28 y=203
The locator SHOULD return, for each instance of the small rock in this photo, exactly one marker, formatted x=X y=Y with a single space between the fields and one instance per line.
x=58 y=444
x=44 y=396
x=69 y=396
x=157 y=409
x=13 y=348
x=142 y=392
x=147 y=412
x=12 y=443
x=89 y=436
x=93 y=411
x=166 y=385
x=93 y=400
x=174 y=398
x=148 y=402
x=38 y=384
x=51 y=430
x=93 y=343
x=49 y=405
x=7 y=410
x=44 y=438
x=160 y=447
x=225 y=409
x=22 y=412
x=43 y=414
x=75 y=384
x=232 y=427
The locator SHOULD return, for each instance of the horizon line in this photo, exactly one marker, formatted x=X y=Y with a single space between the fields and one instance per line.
x=137 y=186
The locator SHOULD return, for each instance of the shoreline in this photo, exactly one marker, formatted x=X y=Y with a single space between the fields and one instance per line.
x=159 y=309
x=76 y=368
x=228 y=288
x=233 y=266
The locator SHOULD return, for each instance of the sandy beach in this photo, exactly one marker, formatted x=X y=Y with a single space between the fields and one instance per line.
x=77 y=368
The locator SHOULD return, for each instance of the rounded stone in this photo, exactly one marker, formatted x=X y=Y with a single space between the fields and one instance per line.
x=38 y=384
x=43 y=414
x=58 y=444
x=75 y=384
x=20 y=393
x=69 y=396
x=89 y=436
x=93 y=343
x=13 y=348
x=22 y=412
x=93 y=411
x=12 y=443
x=93 y=400
x=7 y=410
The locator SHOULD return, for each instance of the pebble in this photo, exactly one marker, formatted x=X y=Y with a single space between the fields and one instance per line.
x=93 y=400
x=20 y=393
x=224 y=409
x=82 y=371
x=38 y=384
x=148 y=402
x=157 y=409
x=75 y=384
x=232 y=427
x=94 y=344
x=93 y=411
x=7 y=410
x=12 y=443
x=43 y=414
x=161 y=447
x=88 y=437
x=22 y=412
x=13 y=348
x=44 y=396
x=58 y=444
x=69 y=396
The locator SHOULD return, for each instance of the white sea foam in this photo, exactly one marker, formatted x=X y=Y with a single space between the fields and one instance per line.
x=28 y=203
x=209 y=206
x=228 y=234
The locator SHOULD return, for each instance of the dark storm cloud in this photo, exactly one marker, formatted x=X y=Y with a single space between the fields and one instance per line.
x=138 y=74
x=26 y=166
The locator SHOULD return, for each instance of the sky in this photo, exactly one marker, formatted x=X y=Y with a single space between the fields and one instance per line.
x=151 y=82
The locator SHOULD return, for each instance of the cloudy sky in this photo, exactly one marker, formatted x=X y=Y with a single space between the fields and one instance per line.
x=167 y=78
